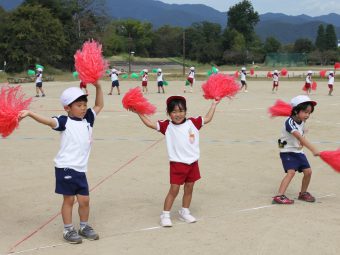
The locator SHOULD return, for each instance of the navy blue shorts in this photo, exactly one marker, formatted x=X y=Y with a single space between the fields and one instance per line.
x=160 y=84
x=295 y=161
x=70 y=182
x=115 y=83
x=38 y=84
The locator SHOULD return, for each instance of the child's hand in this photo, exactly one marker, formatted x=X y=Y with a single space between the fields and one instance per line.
x=316 y=153
x=217 y=101
x=23 y=114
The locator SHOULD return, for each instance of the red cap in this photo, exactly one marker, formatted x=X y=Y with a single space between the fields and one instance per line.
x=174 y=98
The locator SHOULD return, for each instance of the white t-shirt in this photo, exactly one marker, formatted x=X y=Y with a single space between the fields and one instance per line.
x=309 y=79
x=76 y=140
x=192 y=74
x=293 y=144
x=243 y=76
x=145 y=77
x=275 y=78
x=39 y=78
x=182 y=140
x=330 y=79
x=159 y=77
x=114 y=76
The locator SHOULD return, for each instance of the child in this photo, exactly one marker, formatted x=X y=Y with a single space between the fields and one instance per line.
x=71 y=160
x=145 y=81
x=330 y=82
x=191 y=78
x=275 y=81
x=38 y=83
x=82 y=86
x=308 y=83
x=291 y=153
x=160 y=80
x=244 y=79
x=114 y=79
x=182 y=139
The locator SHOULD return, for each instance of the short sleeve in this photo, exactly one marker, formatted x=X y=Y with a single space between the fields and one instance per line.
x=198 y=122
x=61 y=123
x=290 y=125
x=90 y=116
x=162 y=125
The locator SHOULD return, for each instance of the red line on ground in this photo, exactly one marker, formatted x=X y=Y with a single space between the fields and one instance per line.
x=11 y=250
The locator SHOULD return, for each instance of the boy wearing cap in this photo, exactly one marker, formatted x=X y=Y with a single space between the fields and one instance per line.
x=244 y=79
x=145 y=80
x=114 y=80
x=292 y=156
x=275 y=81
x=330 y=82
x=308 y=83
x=160 y=81
x=38 y=83
x=71 y=161
x=190 y=79
x=182 y=140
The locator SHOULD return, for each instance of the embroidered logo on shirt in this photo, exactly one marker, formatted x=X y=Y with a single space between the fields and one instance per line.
x=191 y=136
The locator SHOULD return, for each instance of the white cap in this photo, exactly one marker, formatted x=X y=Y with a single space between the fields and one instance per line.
x=331 y=72
x=276 y=71
x=243 y=69
x=310 y=72
x=39 y=69
x=145 y=70
x=192 y=68
x=301 y=99
x=159 y=70
x=113 y=70
x=70 y=95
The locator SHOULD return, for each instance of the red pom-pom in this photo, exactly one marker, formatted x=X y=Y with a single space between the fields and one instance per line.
x=337 y=65
x=323 y=73
x=11 y=103
x=135 y=101
x=252 y=72
x=219 y=86
x=314 y=85
x=89 y=62
x=280 y=108
x=269 y=74
x=236 y=74
x=332 y=158
x=284 y=72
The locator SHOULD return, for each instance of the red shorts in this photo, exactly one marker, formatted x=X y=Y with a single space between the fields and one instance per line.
x=181 y=173
x=330 y=86
x=144 y=83
x=191 y=80
x=307 y=85
x=275 y=83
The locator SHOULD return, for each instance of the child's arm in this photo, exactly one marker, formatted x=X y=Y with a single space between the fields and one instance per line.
x=306 y=143
x=147 y=122
x=39 y=118
x=208 y=117
x=99 y=103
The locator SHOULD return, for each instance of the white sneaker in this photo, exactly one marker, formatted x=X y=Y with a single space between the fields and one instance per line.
x=184 y=215
x=165 y=220
x=246 y=91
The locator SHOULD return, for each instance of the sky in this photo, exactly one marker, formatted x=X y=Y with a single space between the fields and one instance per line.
x=290 y=7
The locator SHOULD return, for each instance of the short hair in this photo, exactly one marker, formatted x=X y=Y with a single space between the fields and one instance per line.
x=181 y=103
x=82 y=98
x=302 y=107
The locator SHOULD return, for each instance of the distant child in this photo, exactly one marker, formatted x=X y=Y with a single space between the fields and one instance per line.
x=191 y=78
x=82 y=86
x=75 y=129
x=182 y=139
x=308 y=83
x=244 y=79
x=160 y=80
x=275 y=81
x=114 y=79
x=330 y=82
x=292 y=156
x=38 y=83
x=145 y=81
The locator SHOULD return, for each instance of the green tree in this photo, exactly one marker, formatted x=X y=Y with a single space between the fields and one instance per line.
x=303 y=45
x=167 y=42
x=272 y=45
x=243 y=19
x=33 y=36
x=320 y=41
x=330 y=38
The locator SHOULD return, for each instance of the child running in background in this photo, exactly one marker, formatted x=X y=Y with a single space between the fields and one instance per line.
x=292 y=156
x=182 y=139
x=38 y=83
x=308 y=83
x=82 y=86
x=160 y=81
x=244 y=79
x=275 y=81
x=71 y=161
x=330 y=82
x=191 y=78
x=145 y=81
x=115 y=80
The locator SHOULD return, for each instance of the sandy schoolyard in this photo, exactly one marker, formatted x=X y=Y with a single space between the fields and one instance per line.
x=128 y=174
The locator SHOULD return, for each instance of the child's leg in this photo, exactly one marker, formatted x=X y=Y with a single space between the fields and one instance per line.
x=307 y=174
x=110 y=93
x=187 y=196
x=170 y=198
x=37 y=90
x=163 y=89
x=84 y=207
x=285 y=182
x=118 y=90
x=66 y=209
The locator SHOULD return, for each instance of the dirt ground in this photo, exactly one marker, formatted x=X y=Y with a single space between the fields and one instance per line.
x=128 y=175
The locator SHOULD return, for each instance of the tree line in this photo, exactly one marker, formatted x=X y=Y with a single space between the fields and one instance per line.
x=50 y=31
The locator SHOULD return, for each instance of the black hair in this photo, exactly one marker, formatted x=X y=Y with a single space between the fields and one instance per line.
x=82 y=98
x=176 y=102
x=302 y=107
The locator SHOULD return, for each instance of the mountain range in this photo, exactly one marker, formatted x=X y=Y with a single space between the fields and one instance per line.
x=285 y=28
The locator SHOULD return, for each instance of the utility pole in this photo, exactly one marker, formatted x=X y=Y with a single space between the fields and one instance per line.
x=183 y=52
